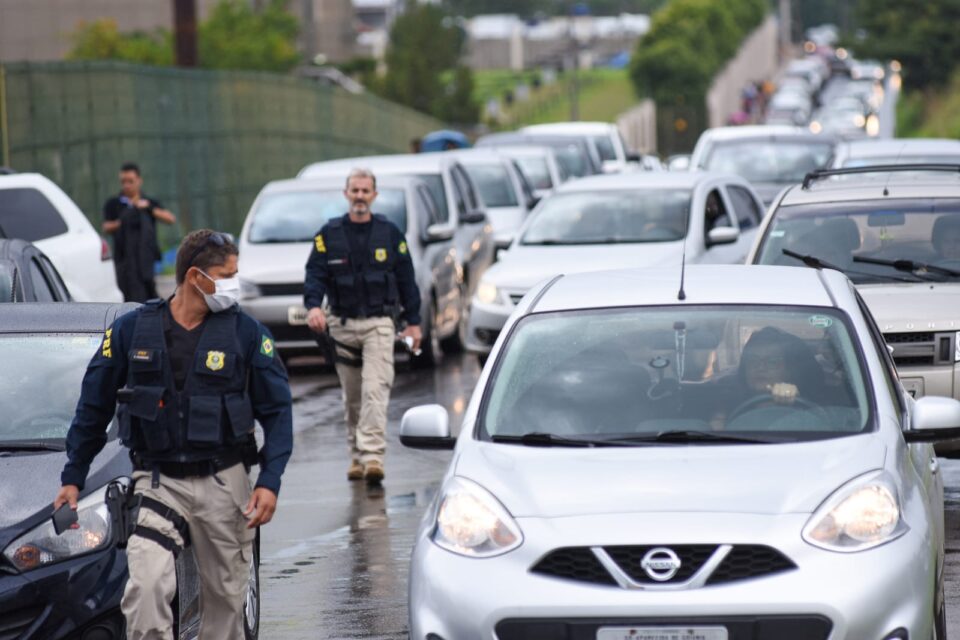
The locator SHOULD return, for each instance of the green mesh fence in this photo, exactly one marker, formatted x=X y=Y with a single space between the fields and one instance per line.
x=206 y=142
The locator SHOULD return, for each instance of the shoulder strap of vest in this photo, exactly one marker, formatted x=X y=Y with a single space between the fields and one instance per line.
x=335 y=222
x=148 y=330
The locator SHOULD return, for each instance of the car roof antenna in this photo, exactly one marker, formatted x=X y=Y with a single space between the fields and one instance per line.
x=681 y=295
x=886 y=192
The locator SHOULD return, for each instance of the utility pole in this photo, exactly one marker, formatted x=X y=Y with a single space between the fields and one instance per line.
x=309 y=30
x=786 y=28
x=185 y=32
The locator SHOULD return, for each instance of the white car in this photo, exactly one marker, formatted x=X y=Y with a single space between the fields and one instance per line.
x=865 y=153
x=538 y=164
x=606 y=222
x=35 y=209
x=725 y=457
x=604 y=136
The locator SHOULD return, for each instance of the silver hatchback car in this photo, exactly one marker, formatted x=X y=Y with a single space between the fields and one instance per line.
x=731 y=459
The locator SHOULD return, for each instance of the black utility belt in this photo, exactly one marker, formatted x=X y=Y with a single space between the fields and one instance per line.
x=194 y=469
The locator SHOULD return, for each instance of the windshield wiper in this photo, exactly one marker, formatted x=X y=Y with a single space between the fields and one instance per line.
x=817 y=263
x=682 y=436
x=539 y=439
x=32 y=445
x=909 y=266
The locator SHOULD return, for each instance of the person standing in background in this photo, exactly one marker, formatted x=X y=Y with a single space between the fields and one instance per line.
x=131 y=218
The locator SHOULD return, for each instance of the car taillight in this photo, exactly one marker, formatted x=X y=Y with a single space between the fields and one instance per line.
x=105 y=250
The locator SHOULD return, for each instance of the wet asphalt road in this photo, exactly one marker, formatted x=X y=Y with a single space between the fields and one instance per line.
x=335 y=558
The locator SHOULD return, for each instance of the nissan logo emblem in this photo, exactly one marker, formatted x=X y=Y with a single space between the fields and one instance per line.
x=660 y=563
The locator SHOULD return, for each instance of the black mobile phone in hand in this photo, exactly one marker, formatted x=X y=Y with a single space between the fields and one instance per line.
x=63 y=518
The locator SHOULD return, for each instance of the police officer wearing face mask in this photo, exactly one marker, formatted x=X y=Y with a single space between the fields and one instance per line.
x=190 y=374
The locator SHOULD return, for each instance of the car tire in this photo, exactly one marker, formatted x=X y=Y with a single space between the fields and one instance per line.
x=457 y=342
x=430 y=342
x=251 y=607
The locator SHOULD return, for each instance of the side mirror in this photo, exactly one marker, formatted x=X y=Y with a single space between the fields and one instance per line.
x=439 y=233
x=634 y=157
x=426 y=427
x=722 y=235
x=933 y=419
x=533 y=201
x=473 y=217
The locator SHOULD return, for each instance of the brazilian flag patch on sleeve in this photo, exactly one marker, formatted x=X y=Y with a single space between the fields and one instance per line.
x=266 y=346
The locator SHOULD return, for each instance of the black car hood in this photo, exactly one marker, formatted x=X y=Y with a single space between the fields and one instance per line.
x=29 y=482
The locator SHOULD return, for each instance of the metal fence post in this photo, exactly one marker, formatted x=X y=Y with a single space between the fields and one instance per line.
x=4 y=126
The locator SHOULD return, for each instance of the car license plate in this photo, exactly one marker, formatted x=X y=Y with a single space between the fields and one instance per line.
x=913 y=386
x=297 y=315
x=662 y=633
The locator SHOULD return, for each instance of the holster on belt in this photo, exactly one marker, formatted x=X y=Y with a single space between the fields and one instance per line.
x=122 y=521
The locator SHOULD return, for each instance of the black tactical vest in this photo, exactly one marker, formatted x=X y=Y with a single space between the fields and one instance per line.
x=372 y=292
x=212 y=414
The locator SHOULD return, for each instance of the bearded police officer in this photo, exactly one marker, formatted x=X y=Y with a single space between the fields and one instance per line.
x=191 y=374
x=360 y=262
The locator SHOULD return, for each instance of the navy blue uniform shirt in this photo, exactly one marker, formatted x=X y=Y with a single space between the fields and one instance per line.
x=315 y=286
x=107 y=372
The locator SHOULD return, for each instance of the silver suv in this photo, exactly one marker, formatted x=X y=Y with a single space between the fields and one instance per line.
x=895 y=232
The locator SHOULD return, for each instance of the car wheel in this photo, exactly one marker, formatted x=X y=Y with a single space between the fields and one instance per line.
x=430 y=343
x=457 y=342
x=251 y=605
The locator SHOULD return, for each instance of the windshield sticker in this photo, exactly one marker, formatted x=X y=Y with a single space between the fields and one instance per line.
x=779 y=233
x=820 y=322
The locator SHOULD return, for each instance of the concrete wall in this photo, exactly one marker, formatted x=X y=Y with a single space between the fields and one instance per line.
x=756 y=60
x=639 y=127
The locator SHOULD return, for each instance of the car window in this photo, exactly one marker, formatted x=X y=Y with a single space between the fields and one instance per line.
x=41 y=287
x=434 y=182
x=777 y=161
x=525 y=185
x=44 y=362
x=871 y=241
x=890 y=376
x=536 y=171
x=8 y=282
x=610 y=217
x=850 y=163
x=26 y=213
x=298 y=216
x=470 y=194
x=429 y=206
x=458 y=193
x=775 y=373
x=572 y=159
x=493 y=181
x=53 y=277
x=745 y=207
x=715 y=212
x=605 y=147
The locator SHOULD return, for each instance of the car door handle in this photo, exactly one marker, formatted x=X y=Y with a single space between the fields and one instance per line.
x=934 y=465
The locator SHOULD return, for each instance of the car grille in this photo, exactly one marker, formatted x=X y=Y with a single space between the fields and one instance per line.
x=14 y=623
x=747 y=627
x=922 y=348
x=282 y=289
x=742 y=562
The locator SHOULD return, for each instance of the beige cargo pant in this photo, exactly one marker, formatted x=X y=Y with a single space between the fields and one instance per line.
x=366 y=390
x=221 y=542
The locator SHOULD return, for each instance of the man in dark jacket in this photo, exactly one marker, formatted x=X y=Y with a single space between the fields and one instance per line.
x=131 y=217
x=191 y=374
x=361 y=263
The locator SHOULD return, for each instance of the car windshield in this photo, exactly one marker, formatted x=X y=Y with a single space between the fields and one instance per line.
x=609 y=217
x=921 y=236
x=536 y=171
x=45 y=362
x=494 y=184
x=296 y=216
x=572 y=159
x=777 y=161
x=874 y=161
x=704 y=373
x=605 y=147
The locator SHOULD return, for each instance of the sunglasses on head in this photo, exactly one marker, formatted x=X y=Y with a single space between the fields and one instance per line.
x=217 y=239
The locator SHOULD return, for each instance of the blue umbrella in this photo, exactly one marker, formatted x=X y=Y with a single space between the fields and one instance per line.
x=444 y=139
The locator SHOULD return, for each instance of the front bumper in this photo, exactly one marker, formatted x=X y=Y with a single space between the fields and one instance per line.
x=486 y=322
x=275 y=313
x=66 y=599
x=862 y=595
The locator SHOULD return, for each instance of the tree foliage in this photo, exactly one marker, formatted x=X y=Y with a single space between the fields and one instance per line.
x=688 y=43
x=921 y=34
x=234 y=36
x=102 y=40
x=423 y=65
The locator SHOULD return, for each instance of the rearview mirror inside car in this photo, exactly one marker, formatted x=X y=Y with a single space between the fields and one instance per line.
x=722 y=235
x=426 y=427
x=933 y=419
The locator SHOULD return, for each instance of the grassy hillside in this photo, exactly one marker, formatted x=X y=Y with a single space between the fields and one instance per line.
x=930 y=114
x=604 y=94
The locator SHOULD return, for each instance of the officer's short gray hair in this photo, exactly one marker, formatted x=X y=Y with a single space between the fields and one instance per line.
x=360 y=172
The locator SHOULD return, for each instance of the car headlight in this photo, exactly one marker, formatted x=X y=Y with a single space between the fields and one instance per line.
x=472 y=523
x=863 y=514
x=249 y=290
x=42 y=546
x=859 y=120
x=487 y=293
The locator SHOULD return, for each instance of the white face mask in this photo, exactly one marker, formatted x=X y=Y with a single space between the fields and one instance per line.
x=226 y=295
